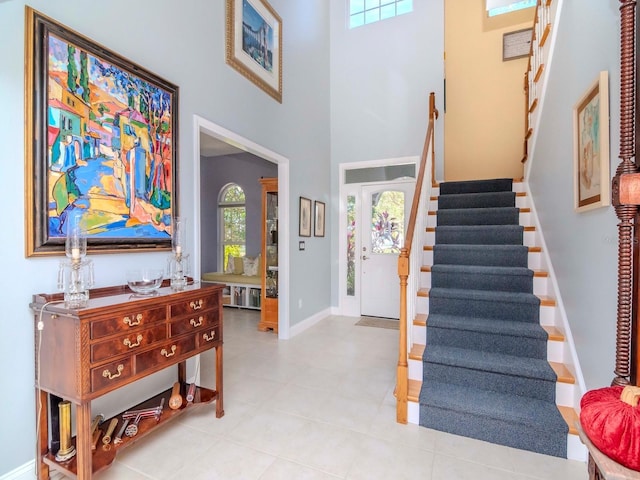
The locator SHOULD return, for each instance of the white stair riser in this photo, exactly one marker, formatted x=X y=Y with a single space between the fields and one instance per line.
x=555 y=351
x=415 y=369
x=575 y=448
x=413 y=413
x=419 y=334
x=565 y=394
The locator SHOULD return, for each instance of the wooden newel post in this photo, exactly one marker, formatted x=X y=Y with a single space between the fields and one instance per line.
x=402 y=380
x=626 y=212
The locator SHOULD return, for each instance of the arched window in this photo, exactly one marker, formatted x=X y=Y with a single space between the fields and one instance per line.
x=232 y=217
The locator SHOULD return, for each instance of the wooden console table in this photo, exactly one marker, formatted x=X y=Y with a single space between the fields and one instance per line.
x=117 y=339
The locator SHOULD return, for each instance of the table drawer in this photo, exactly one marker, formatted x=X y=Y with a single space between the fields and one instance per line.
x=130 y=342
x=126 y=321
x=165 y=354
x=111 y=374
x=192 y=323
x=194 y=305
x=210 y=336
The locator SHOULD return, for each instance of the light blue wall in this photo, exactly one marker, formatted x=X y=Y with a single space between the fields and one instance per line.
x=381 y=77
x=183 y=42
x=583 y=246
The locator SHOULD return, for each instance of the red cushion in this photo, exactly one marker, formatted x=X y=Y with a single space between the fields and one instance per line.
x=612 y=425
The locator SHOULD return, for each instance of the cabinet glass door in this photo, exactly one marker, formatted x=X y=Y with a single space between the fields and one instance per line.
x=271 y=260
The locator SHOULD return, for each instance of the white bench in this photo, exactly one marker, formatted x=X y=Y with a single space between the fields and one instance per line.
x=241 y=291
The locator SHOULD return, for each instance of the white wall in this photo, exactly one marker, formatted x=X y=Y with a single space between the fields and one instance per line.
x=583 y=246
x=184 y=43
x=381 y=77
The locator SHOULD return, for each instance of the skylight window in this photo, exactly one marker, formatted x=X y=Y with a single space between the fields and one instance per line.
x=510 y=7
x=362 y=12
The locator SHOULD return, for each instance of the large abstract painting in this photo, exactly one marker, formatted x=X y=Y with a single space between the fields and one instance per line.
x=101 y=145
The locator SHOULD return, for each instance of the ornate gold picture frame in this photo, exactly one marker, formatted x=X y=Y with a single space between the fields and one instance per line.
x=591 y=146
x=254 y=43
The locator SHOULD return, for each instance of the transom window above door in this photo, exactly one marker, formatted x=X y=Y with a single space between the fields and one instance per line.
x=362 y=12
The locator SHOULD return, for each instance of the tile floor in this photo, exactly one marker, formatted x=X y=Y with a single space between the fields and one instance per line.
x=317 y=407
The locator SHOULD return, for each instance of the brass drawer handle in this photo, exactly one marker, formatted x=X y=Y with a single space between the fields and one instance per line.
x=208 y=337
x=107 y=374
x=133 y=323
x=128 y=343
x=167 y=354
x=196 y=305
x=196 y=323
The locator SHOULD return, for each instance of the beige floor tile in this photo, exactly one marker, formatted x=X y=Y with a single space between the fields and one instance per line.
x=286 y=470
x=268 y=431
x=384 y=426
x=547 y=467
x=296 y=400
x=344 y=412
x=452 y=468
x=325 y=447
x=227 y=460
x=380 y=459
x=167 y=450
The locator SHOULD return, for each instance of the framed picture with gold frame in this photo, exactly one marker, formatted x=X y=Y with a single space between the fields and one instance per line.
x=101 y=145
x=254 y=43
x=591 y=146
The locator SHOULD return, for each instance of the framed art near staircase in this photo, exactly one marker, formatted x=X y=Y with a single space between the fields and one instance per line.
x=591 y=146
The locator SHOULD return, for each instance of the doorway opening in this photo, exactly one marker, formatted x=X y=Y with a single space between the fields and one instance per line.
x=212 y=139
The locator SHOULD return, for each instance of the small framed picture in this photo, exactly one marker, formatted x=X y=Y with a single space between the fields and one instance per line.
x=318 y=230
x=304 y=219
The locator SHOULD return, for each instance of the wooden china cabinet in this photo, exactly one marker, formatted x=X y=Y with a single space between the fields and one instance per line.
x=269 y=262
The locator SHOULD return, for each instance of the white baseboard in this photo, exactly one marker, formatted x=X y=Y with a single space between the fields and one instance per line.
x=300 y=327
x=24 y=472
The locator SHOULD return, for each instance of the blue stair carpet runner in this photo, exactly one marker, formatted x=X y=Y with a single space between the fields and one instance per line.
x=485 y=369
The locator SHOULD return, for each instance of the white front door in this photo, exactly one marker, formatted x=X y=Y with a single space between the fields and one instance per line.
x=383 y=216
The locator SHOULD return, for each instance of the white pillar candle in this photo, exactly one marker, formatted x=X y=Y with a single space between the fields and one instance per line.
x=178 y=249
x=75 y=253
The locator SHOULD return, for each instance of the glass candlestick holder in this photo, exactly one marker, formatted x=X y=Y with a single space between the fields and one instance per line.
x=178 y=270
x=75 y=278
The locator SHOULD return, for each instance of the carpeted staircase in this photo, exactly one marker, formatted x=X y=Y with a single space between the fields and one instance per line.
x=485 y=368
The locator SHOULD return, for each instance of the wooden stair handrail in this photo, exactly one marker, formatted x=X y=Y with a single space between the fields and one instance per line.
x=527 y=98
x=402 y=377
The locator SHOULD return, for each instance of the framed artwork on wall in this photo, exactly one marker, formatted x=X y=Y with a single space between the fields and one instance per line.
x=304 y=218
x=254 y=43
x=101 y=145
x=318 y=230
x=591 y=146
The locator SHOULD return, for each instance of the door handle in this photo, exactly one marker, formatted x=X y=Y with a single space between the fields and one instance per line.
x=364 y=257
